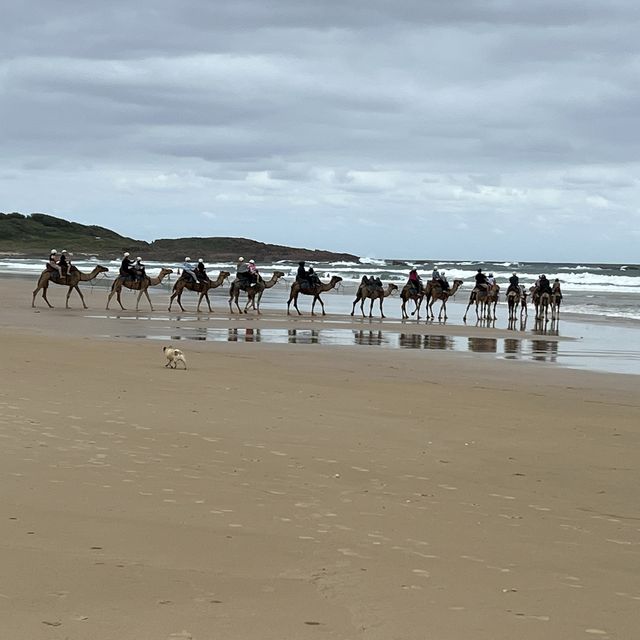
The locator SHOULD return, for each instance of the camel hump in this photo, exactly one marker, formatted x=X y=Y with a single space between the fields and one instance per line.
x=364 y=280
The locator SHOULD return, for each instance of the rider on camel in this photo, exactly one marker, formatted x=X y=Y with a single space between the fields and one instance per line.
x=544 y=286
x=514 y=283
x=188 y=271
x=414 y=282
x=439 y=278
x=201 y=272
x=253 y=272
x=313 y=277
x=126 y=267
x=139 y=269
x=306 y=279
x=52 y=263
x=64 y=264
x=242 y=273
x=481 y=280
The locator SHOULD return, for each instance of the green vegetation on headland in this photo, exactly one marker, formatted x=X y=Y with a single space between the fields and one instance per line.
x=36 y=234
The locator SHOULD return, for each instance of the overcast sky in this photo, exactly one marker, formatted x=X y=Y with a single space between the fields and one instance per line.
x=469 y=129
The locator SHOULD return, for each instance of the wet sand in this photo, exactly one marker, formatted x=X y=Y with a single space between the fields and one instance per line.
x=291 y=490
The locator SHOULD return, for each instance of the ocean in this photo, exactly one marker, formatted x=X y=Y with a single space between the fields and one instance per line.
x=594 y=289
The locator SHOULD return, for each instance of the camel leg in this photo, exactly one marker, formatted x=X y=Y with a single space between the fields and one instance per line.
x=322 y=305
x=45 y=289
x=403 y=309
x=118 y=294
x=146 y=293
x=294 y=299
x=111 y=294
x=381 y=312
x=353 y=307
x=173 y=295
x=179 y=298
x=44 y=296
x=206 y=295
x=313 y=305
x=77 y=288
x=371 y=308
x=443 y=309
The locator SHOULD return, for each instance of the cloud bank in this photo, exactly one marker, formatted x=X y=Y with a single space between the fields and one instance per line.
x=467 y=129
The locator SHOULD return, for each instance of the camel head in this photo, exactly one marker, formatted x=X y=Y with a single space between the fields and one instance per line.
x=165 y=272
x=335 y=279
x=278 y=274
x=224 y=275
x=393 y=287
x=101 y=269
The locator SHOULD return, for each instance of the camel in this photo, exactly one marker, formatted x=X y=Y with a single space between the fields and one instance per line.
x=513 y=300
x=254 y=293
x=433 y=291
x=373 y=292
x=556 y=300
x=542 y=302
x=71 y=280
x=136 y=285
x=314 y=291
x=409 y=293
x=484 y=298
x=185 y=282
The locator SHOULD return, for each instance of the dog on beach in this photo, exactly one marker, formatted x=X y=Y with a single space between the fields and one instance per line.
x=173 y=357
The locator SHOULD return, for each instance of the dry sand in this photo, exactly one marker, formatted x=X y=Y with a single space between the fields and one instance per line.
x=292 y=492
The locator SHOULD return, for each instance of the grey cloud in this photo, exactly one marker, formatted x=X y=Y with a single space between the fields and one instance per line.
x=394 y=113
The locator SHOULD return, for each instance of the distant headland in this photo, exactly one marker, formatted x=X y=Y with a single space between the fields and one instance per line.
x=36 y=234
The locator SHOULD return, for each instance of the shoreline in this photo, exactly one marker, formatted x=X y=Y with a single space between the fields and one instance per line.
x=584 y=342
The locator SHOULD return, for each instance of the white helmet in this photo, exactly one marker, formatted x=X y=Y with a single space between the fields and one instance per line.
x=139 y=259
x=64 y=251
x=252 y=261
x=53 y=251
x=126 y=254
x=187 y=259
x=200 y=260
x=240 y=259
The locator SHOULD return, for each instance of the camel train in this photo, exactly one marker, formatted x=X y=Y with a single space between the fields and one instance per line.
x=545 y=296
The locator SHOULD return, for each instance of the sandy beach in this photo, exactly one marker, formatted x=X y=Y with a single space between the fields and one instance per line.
x=293 y=491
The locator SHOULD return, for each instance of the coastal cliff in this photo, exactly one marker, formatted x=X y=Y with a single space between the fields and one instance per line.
x=35 y=235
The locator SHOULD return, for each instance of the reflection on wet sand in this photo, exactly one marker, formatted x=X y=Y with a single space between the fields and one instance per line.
x=538 y=348
x=512 y=348
x=483 y=345
x=544 y=350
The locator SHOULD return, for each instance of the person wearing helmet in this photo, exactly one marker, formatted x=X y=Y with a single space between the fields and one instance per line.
x=444 y=283
x=52 y=263
x=126 y=267
x=139 y=269
x=188 y=271
x=253 y=273
x=242 y=273
x=415 y=282
x=201 y=272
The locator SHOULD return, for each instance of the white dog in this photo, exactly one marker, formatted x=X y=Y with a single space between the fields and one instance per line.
x=173 y=357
